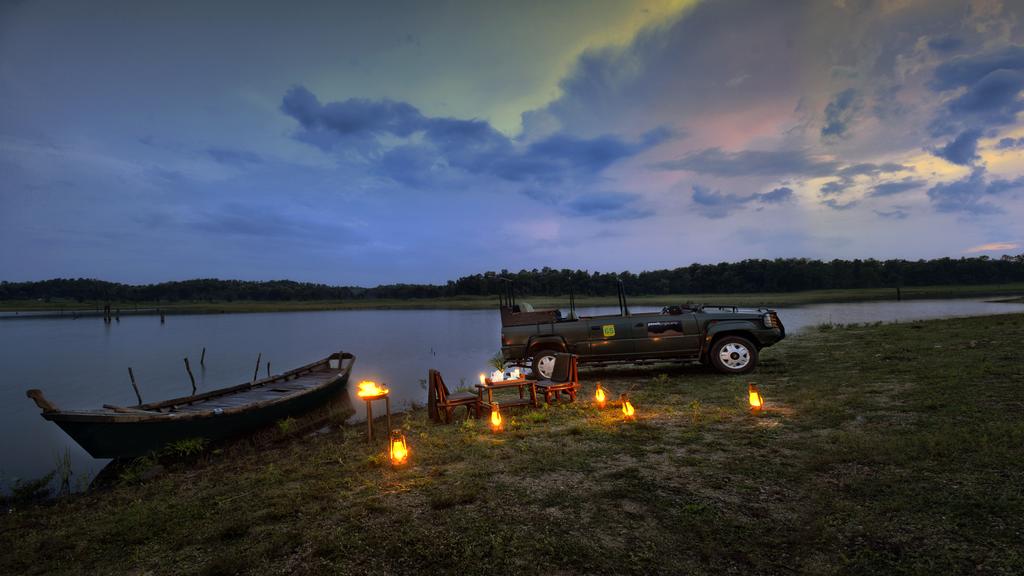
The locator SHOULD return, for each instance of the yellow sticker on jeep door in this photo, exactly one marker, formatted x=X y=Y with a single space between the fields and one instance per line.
x=608 y=330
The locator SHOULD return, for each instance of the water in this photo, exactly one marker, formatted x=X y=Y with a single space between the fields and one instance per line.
x=83 y=363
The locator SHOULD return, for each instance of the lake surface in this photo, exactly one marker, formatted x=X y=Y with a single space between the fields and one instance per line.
x=83 y=363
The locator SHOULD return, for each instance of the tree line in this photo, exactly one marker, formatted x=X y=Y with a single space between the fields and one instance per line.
x=778 y=275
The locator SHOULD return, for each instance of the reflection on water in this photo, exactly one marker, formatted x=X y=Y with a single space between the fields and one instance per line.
x=84 y=363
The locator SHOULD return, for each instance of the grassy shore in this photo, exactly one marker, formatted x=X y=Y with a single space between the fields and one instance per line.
x=889 y=449
x=479 y=302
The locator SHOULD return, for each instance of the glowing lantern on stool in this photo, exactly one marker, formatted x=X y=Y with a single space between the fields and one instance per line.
x=399 y=449
x=756 y=401
x=599 y=396
x=628 y=412
x=496 y=422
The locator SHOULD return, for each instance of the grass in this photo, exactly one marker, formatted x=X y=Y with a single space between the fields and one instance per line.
x=883 y=449
x=484 y=302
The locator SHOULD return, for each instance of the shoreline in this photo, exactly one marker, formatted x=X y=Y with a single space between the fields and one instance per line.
x=35 y=309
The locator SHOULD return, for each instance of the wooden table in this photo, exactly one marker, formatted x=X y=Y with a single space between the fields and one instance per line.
x=489 y=387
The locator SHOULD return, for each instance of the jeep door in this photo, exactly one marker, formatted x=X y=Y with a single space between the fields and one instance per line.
x=666 y=335
x=611 y=337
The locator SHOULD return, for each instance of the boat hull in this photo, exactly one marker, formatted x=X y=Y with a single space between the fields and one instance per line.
x=130 y=436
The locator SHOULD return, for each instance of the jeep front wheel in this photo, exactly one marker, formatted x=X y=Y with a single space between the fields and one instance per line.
x=733 y=355
x=543 y=363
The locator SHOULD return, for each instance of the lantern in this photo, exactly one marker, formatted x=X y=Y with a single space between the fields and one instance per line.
x=599 y=396
x=756 y=400
x=483 y=379
x=399 y=449
x=496 y=422
x=628 y=412
x=370 y=389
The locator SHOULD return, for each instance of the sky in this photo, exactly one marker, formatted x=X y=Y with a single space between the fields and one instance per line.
x=370 y=143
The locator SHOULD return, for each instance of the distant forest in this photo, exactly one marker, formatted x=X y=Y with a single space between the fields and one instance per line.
x=779 y=275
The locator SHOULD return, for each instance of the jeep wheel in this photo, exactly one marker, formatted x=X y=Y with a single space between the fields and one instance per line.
x=543 y=363
x=733 y=355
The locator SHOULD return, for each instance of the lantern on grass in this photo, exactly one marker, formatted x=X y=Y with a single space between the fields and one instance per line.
x=496 y=422
x=628 y=412
x=398 y=449
x=755 y=398
x=599 y=396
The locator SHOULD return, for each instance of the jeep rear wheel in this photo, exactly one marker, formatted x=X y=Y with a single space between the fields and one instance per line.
x=733 y=355
x=543 y=364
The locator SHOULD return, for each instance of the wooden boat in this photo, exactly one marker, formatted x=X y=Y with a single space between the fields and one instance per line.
x=114 y=431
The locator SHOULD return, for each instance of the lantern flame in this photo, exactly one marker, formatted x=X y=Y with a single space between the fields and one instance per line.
x=399 y=451
x=756 y=400
x=369 y=389
x=599 y=396
x=628 y=412
x=483 y=378
x=496 y=422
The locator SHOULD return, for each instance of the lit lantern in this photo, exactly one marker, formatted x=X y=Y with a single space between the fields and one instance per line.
x=599 y=396
x=483 y=378
x=628 y=412
x=496 y=422
x=497 y=376
x=756 y=400
x=399 y=449
x=370 y=389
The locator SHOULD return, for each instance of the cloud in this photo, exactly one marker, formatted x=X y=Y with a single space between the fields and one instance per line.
x=716 y=162
x=1010 y=143
x=945 y=44
x=991 y=83
x=993 y=247
x=412 y=149
x=968 y=70
x=715 y=204
x=970 y=194
x=839 y=113
x=962 y=150
x=896 y=187
x=848 y=174
x=234 y=157
x=894 y=214
x=608 y=206
x=837 y=205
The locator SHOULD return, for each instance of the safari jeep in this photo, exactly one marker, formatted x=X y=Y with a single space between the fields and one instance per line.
x=727 y=338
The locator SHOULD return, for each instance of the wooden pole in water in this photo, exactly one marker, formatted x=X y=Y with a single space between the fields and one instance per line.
x=256 y=373
x=190 y=376
x=134 y=385
x=268 y=368
x=202 y=357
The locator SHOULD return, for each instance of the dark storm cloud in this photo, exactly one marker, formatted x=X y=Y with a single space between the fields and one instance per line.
x=839 y=113
x=714 y=204
x=836 y=187
x=473 y=146
x=837 y=205
x=972 y=194
x=608 y=206
x=945 y=44
x=716 y=162
x=962 y=150
x=896 y=187
x=1010 y=143
x=894 y=214
x=992 y=83
x=848 y=174
x=234 y=157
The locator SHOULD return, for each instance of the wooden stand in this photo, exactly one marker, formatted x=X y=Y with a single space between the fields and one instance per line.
x=369 y=412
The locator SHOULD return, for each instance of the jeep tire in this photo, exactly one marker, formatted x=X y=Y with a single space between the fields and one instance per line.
x=543 y=363
x=733 y=355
